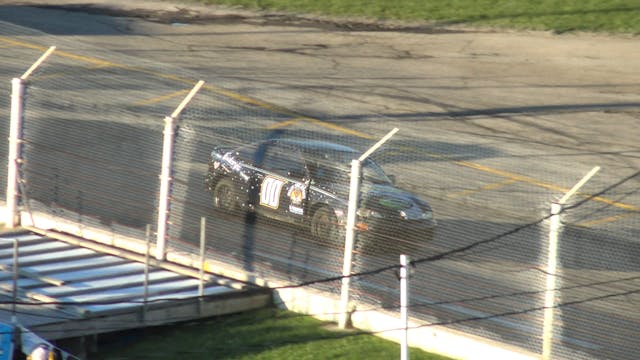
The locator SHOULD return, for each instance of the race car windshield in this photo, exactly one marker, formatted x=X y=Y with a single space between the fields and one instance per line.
x=374 y=173
x=370 y=170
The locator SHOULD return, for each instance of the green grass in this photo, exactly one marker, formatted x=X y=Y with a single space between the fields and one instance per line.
x=616 y=16
x=262 y=334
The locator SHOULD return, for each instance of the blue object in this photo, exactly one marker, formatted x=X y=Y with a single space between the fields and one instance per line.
x=6 y=341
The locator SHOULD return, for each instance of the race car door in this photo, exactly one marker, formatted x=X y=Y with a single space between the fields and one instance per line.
x=283 y=188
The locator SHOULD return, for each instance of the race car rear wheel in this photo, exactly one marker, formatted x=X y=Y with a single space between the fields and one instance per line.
x=324 y=224
x=224 y=196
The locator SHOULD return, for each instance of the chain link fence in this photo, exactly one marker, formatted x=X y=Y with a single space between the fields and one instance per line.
x=273 y=187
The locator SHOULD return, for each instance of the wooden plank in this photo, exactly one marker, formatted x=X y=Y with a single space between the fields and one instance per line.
x=74 y=265
x=74 y=254
x=191 y=293
x=81 y=264
x=6 y=241
x=35 y=249
x=104 y=286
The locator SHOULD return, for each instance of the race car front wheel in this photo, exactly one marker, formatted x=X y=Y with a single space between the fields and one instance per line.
x=324 y=224
x=224 y=196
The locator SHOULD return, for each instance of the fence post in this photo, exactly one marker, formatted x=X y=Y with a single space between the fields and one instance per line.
x=15 y=139
x=16 y=277
x=354 y=194
x=552 y=265
x=404 y=302
x=167 y=166
x=146 y=273
x=550 y=293
x=203 y=236
x=165 y=184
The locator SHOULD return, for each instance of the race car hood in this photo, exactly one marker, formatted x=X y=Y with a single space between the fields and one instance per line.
x=391 y=201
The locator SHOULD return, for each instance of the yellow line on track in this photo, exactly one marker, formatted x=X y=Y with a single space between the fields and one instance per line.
x=57 y=52
x=158 y=99
x=48 y=77
x=339 y=128
x=284 y=123
x=249 y=100
x=487 y=187
x=556 y=188
x=605 y=220
x=281 y=110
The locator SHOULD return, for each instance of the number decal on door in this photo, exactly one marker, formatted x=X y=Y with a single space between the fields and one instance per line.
x=270 y=192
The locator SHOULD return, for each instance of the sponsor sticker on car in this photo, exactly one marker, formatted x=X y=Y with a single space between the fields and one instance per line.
x=270 y=192
x=297 y=193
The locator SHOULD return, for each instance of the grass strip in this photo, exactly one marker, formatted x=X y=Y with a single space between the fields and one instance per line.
x=614 y=16
x=261 y=334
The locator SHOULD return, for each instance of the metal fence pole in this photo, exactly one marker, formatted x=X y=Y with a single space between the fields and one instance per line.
x=165 y=184
x=15 y=134
x=354 y=192
x=354 y=195
x=550 y=294
x=552 y=265
x=404 y=302
x=203 y=226
x=165 y=174
x=15 y=140
x=16 y=276
x=146 y=273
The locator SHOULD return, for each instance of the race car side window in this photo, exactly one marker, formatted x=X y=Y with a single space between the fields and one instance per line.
x=325 y=172
x=249 y=154
x=284 y=162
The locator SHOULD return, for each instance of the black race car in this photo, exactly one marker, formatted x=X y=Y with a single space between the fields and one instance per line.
x=307 y=183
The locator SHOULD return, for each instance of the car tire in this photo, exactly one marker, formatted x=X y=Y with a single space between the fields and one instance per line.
x=225 y=196
x=324 y=224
